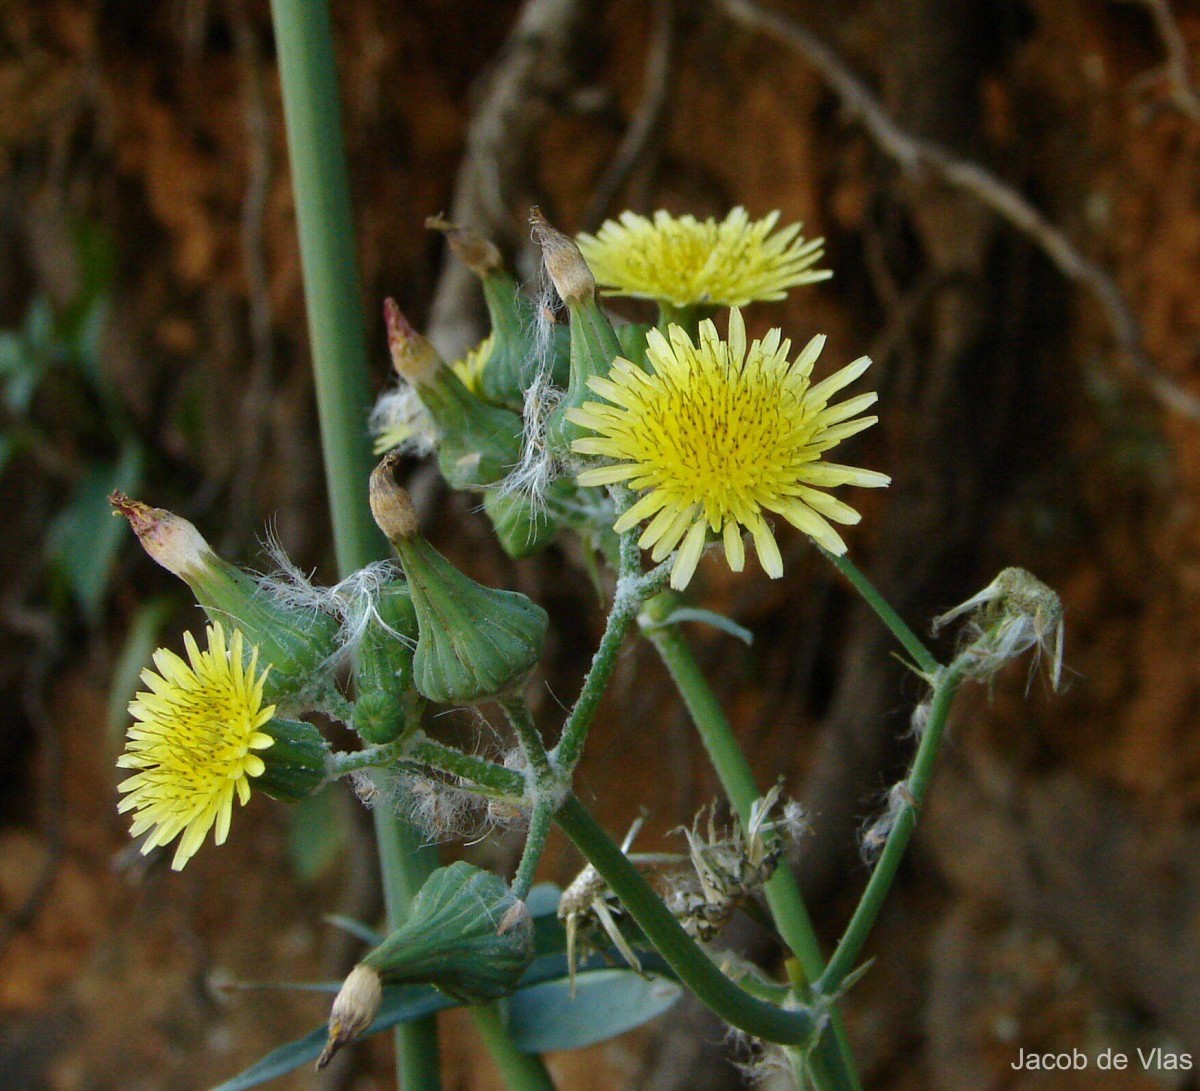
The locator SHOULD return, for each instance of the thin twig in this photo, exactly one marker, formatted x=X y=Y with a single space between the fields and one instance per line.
x=915 y=155
x=646 y=120
x=1178 y=67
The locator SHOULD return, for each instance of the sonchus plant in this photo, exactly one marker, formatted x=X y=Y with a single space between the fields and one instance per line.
x=657 y=446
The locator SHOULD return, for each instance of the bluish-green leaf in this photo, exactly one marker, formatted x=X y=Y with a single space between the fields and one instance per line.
x=606 y=1003
x=84 y=538
x=707 y=617
x=356 y=928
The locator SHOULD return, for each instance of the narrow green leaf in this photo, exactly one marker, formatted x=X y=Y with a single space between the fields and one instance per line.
x=707 y=617
x=357 y=929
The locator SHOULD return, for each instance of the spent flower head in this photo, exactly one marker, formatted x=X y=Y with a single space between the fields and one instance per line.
x=688 y=262
x=193 y=745
x=718 y=435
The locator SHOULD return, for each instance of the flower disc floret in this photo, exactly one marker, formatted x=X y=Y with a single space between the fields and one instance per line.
x=193 y=743
x=717 y=435
x=687 y=262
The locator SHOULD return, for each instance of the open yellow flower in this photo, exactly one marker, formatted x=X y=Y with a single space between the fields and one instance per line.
x=685 y=262
x=193 y=744
x=719 y=434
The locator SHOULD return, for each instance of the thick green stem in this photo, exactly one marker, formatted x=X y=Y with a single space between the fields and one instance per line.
x=916 y=787
x=922 y=656
x=304 y=45
x=690 y=964
x=832 y=1056
x=520 y=1071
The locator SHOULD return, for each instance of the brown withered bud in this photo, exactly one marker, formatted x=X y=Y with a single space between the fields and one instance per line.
x=478 y=254
x=390 y=504
x=564 y=263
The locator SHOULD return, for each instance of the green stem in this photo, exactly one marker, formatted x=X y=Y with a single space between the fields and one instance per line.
x=917 y=786
x=505 y=783
x=520 y=1071
x=922 y=656
x=530 y=739
x=782 y=891
x=535 y=844
x=312 y=115
x=630 y=590
x=690 y=964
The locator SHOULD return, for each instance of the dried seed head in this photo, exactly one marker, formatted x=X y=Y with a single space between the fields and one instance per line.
x=478 y=254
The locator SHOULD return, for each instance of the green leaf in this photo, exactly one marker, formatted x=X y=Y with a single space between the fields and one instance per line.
x=84 y=538
x=706 y=617
x=407 y=1002
x=606 y=1003
x=317 y=835
x=400 y=1005
x=356 y=928
x=140 y=641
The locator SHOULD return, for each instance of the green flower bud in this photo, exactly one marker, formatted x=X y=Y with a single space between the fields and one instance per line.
x=295 y=642
x=466 y=933
x=632 y=338
x=383 y=666
x=513 y=362
x=594 y=343
x=295 y=764
x=521 y=526
x=474 y=642
x=478 y=443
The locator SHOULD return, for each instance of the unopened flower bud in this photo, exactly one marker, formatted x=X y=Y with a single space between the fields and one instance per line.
x=474 y=642
x=354 y=1009
x=466 y=933
x=522 y=526
x=594 y=344
x=296 y=763
x=477 y=443
x=514 y=359
x=383 y=666
x=294 y=642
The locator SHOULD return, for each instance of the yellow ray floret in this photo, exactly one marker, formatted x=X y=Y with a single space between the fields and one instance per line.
x=717 y=435
x=688 y=262
x=193 y=744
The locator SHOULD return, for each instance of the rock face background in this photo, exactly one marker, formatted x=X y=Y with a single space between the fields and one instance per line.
x=1052 y=896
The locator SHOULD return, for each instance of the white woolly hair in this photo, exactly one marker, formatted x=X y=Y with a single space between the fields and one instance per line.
x=399 y=407
x=537 y=467
x=353 y=601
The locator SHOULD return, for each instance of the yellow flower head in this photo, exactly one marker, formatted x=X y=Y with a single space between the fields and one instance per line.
x=402 y=419
x=194 y=742
x=685 y=262
x=717 y=435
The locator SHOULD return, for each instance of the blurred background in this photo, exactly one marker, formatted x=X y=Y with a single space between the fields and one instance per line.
x=1034 y=380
